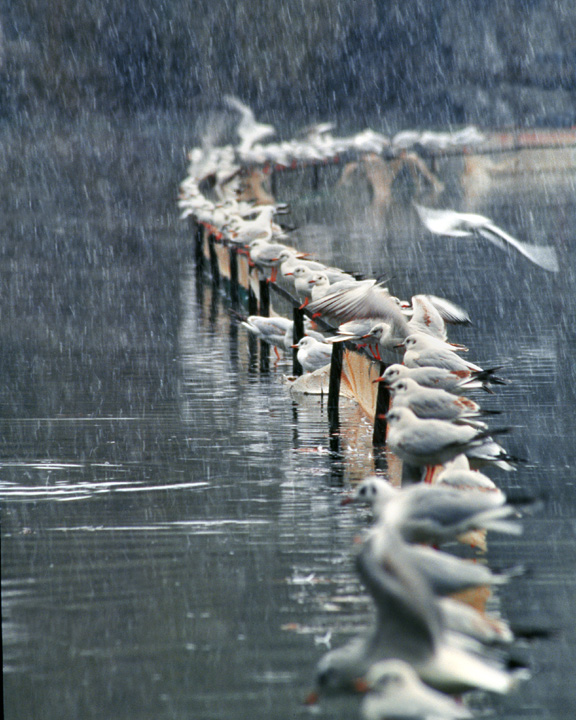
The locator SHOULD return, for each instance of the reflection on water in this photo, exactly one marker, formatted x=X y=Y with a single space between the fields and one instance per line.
x=173 y=543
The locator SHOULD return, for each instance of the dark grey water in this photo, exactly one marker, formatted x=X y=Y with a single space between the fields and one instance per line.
x=173 y=544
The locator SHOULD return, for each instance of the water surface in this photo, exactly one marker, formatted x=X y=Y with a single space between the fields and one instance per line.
x=173 y=543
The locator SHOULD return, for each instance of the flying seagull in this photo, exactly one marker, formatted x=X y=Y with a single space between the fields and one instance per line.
x=457 y=224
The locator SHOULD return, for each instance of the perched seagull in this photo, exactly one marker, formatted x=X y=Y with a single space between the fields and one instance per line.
x=383 y=337
x=396 y=691
x=408 y=627
x=456 y=224
x=321 y=285
x=302 y=275
x=463 y=618
x=433 y=514
x=289 y=261
x=272 y=330
x=425 y=351
x=454 y=381
x=262 y=227
x=433 y=442
x=265 y=255
x=249 y=130
x=445 y=574
x=457 y=474
x=313 y=354
x=436 y=403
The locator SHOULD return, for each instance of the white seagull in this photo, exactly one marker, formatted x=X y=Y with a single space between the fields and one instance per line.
x=396 y=691
x=436 y=403
x=249 y=130
x=408 y=627
x=434 y=514
x=454 y=381
x=313 y=354
x=435 y=442
x=457 y=224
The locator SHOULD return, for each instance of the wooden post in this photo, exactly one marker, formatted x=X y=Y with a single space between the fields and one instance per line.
x=264 y=292
x=382 y=405
x=252 y=300
x=198 y=246
x=334 y=387
x=315 y=178
x=264 y=297
x=298 y=334
x=234 y=293
x=214 y=269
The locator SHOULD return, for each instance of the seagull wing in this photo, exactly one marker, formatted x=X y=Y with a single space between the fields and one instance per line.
x=242 y=108
x=450 y=312
x=364 y=300
x=426 y=317
x=442 y=222
x=542 y=255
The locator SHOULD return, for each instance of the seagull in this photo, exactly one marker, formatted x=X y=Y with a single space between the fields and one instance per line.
x=444 y=573
x=262 y=227
x=433 y=514
x=249 y=130
x=457 y=224
x=396 y=691
x=460 y=617
x=436 y=403
x=457 y=474
x=425 y=351
x=454 y=381
x=265 y=255
x=408 y=627
x=272 y=330
x=321 y=285
x=434 y=442
x=313 y=354
x=303 y=273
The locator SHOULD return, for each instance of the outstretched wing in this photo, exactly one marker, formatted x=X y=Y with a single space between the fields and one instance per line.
x=542 y=255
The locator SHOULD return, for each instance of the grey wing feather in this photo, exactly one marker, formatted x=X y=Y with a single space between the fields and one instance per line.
x=542 y=255
x=449 y=311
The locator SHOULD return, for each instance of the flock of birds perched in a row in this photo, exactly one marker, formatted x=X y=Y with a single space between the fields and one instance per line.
x=425 y=646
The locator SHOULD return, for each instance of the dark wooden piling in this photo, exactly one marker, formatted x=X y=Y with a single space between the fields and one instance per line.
x=198 y=246
x=264 y=288
x=315 y=178
x=273 y=182
x=214 y=267
x=234 y=286
x=264 y=292
x=252 y=300
x=334 y=387
x=382 y=405
x=297 y=335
